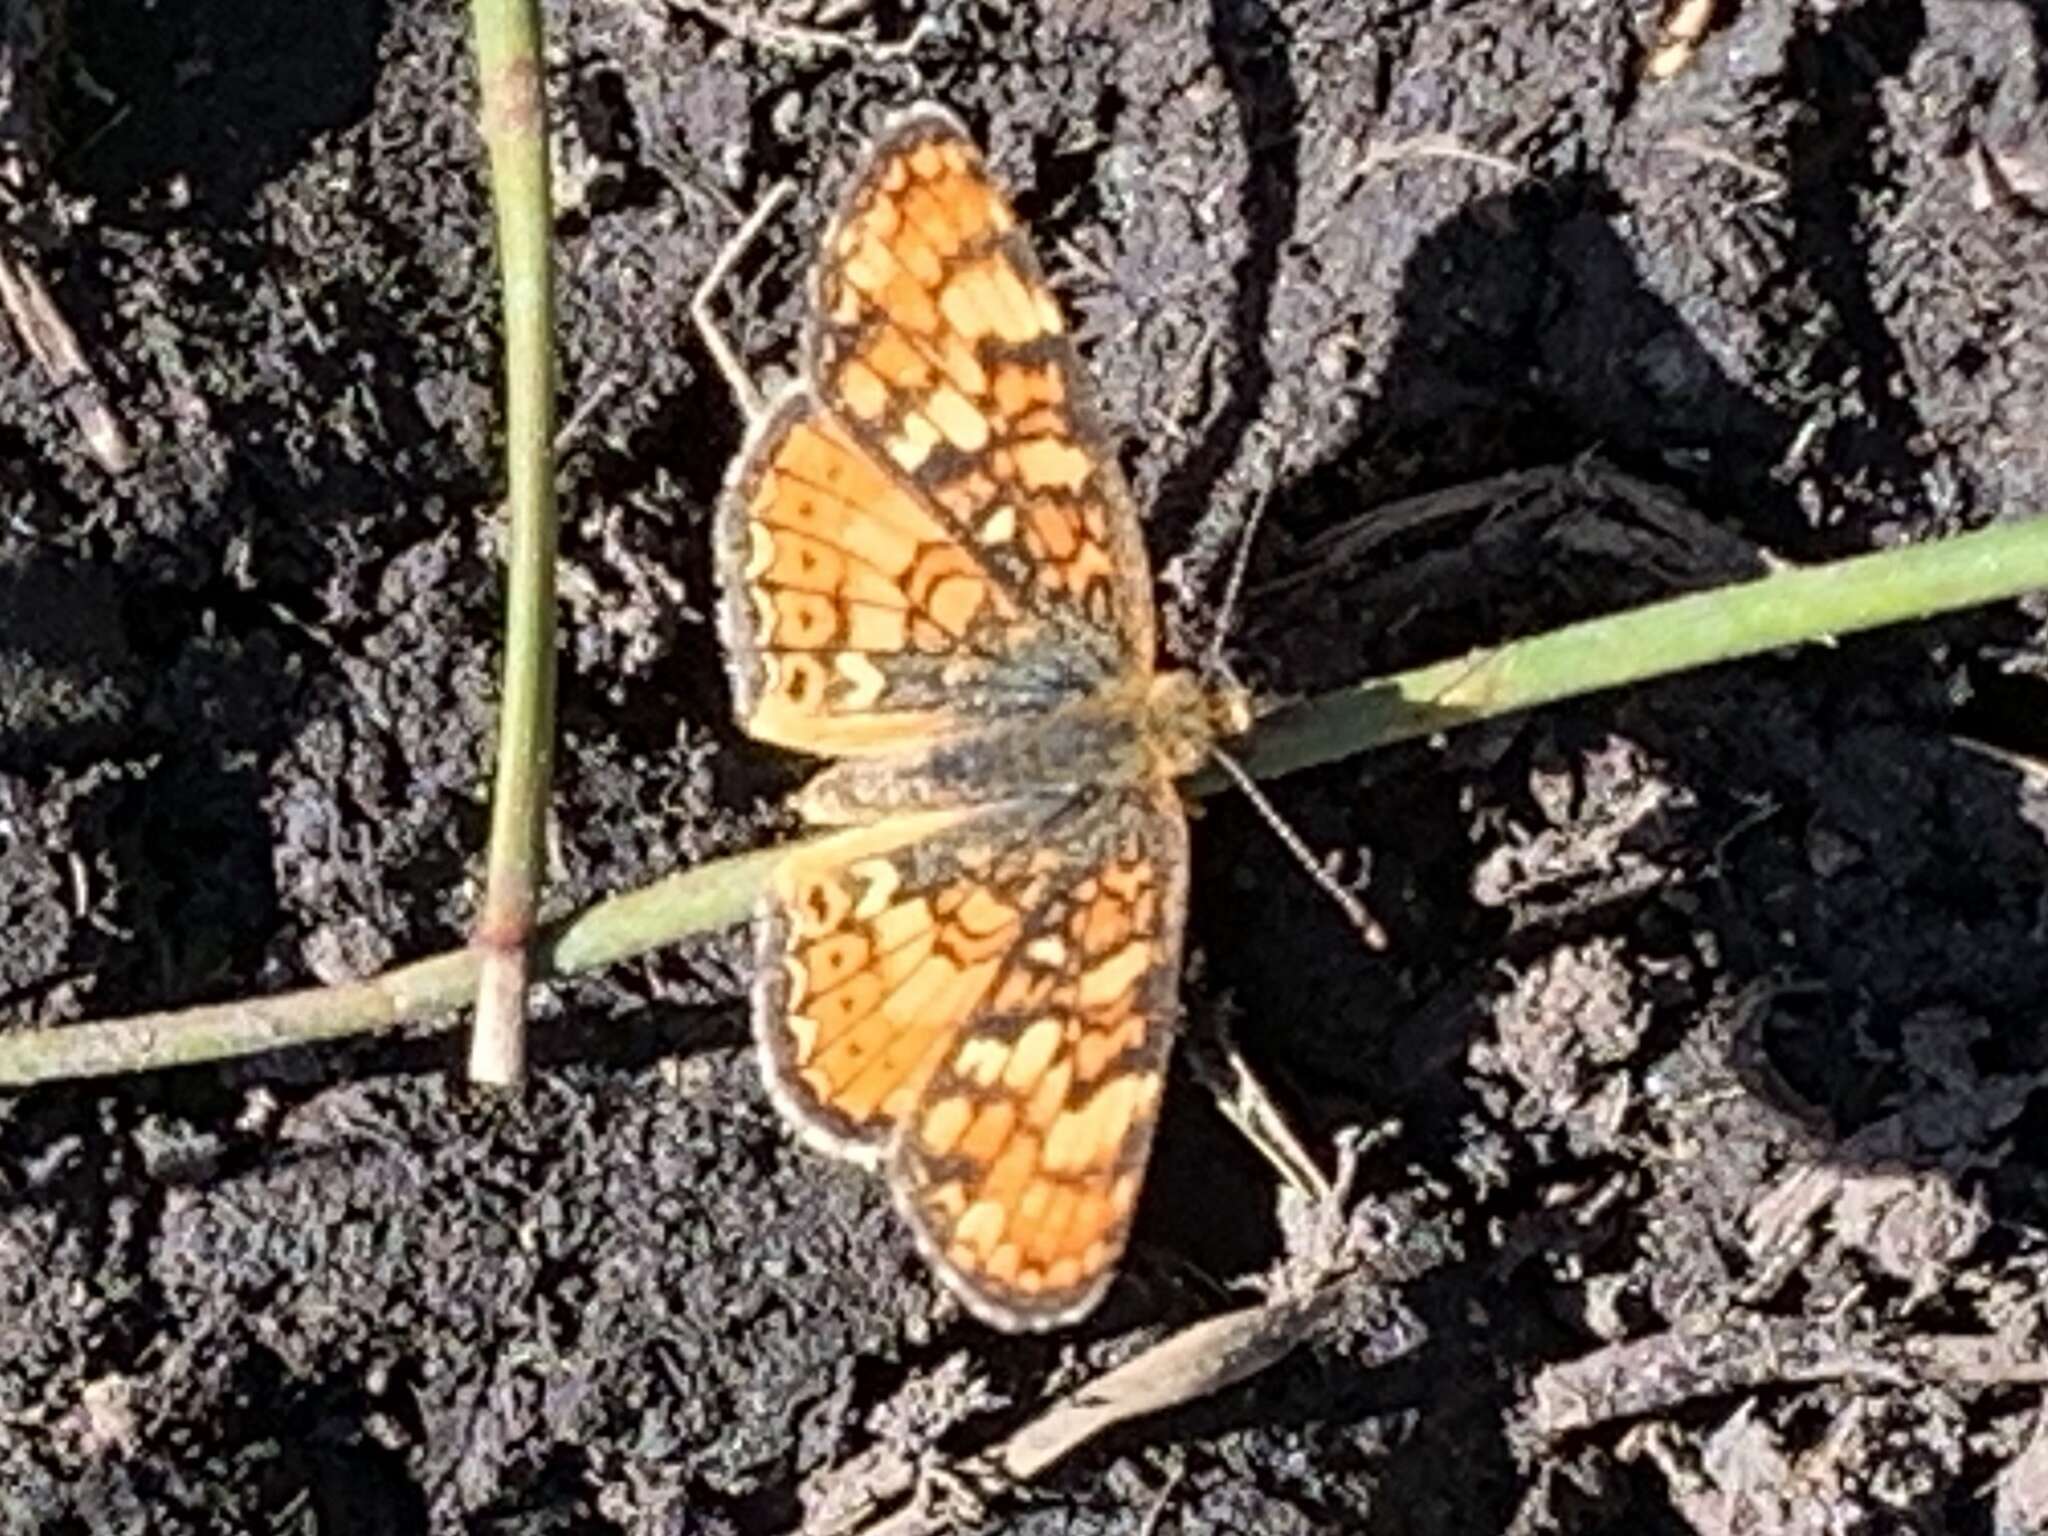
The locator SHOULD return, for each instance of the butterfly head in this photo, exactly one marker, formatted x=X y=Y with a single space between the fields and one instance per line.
x=1187 y=715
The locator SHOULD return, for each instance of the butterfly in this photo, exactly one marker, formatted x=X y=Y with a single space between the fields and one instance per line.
x=932 y=572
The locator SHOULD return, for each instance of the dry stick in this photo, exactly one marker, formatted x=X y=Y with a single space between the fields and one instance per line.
x=1784 y=608
x=515 y=131
x=1202 y=1359
x=1685 y=27
x=788 y=37
x=54 y=345
x=1743 y=1351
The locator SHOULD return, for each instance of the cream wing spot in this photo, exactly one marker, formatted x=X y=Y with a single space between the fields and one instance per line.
x=862 y=392
x=760 y=551
x=1017 y=308
x=944 y=1123
x=962 y=366
x=1032 y=1054
x=876 y=632
x=981 y=1060
x=1065 y=1148
x=1050 y=320
x=1000 y=526
x=965 y=427
x=1004 y=1263
x=965 y=302
x=898 y=924
x=864 y=681
x=914 y=444
x=1050 y=1094
x=803 y=1038
x=1049 y=951
x=879 y=880
x=980 y=1228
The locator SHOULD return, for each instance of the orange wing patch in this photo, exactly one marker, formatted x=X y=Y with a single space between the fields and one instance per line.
x=941 y=347
x=985 y=998
x=932 y=527
x=1021 y=1167
x=876 y=948
x=853 y=619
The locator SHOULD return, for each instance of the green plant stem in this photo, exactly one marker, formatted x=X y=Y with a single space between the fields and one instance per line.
x=514 y=119
x=1788 y=607
x=1785 y=608
x=700 y=900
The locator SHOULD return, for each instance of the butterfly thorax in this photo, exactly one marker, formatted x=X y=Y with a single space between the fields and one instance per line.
x=1149 y=728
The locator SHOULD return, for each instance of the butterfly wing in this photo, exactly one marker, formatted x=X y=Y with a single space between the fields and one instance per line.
x=938 y=342
x=987 y=1009
x=932 y=530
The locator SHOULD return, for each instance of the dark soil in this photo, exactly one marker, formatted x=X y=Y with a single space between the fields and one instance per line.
x=1717 y=999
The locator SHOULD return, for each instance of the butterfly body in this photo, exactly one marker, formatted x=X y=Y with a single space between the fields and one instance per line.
x=934 y=574
x=1118 y=737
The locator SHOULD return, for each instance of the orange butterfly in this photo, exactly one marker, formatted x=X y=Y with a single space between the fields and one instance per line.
x=933 y=572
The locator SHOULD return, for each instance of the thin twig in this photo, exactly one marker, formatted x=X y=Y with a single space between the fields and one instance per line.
x=1355 y=538
x=54 y=345
x=1437 y=146
x=1200 y=1360
x=514 y=115
x=1247 y=1104
x=1660 y=1372
x=1786 y=607
x=1772 y=183
x=789 y=37
x=723 y=352
x=1685 y=26
x=1195 y=1363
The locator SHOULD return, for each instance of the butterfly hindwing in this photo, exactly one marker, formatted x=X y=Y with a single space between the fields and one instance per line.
x=986 y=1010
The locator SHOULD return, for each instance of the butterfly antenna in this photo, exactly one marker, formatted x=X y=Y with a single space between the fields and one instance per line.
x=1226 y=609
x=1347 y=901
x=1215 y=665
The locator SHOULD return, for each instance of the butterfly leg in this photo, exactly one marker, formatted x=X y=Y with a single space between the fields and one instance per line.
x=722 y=351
